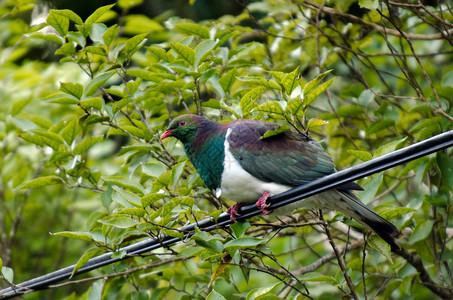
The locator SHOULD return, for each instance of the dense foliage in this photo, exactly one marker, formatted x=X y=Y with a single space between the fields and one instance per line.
x=83 y=170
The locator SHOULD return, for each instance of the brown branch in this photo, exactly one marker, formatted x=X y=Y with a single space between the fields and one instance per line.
x=357 y=20
x=416 y=262
x=340 y=258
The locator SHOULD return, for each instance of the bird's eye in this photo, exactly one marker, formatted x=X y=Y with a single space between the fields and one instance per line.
x=182 y=123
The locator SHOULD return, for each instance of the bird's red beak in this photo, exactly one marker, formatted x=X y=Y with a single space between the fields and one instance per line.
x=166 y=134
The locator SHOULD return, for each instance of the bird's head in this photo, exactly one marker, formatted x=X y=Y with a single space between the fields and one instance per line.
x=184 y=128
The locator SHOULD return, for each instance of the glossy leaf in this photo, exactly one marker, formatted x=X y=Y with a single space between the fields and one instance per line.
x=193 y=29
x=41 y=182
x=380 y=245
x=202 y=51
x=362 y=155
x=186 y=53
x=87 y=144
x=73 y=89
x=58 y=21
x=98 y=13
x=90 y=253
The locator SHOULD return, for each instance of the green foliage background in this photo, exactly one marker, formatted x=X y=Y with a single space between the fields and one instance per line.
x=83 y=102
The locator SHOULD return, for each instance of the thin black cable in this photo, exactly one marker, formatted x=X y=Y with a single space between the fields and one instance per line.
x=379 y=164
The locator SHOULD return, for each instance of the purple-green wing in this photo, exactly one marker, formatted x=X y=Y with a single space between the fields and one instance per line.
x=287 y=158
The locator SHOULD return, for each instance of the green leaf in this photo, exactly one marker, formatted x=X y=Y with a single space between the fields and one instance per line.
x=313 y=122
x=186 y=53
x=202 y=51
x=212 y=103
x=40 y=182
x=7 y=273
x=445 y=164
x=349 y=110
x=75 y=235
x=97 y=82
x=32 y=138
x=153 y=169
x=106 y=196
x=138 y=24
x=207 y=241
x=421 y=231
x=362 y=155
x=249 y=99
x=392 y=213
x=176 y=172
x=125 y=183
x=370 y=188
x=119 y=221
x=23 y=124
x=70 y=131
x=127 y=4
x=95 y=102
x=74 y=89
x=214 y=295
x=439 y=199
x=278 y=76
x=99 y=50
x=316 y=277
x=70 y=15
x=380 y=245
x=161 y=53
x=58 y=21
x=77 y=38
x=309 y=98
x=133 y=44
x=66 y=49
x=149 y=199
x=61 y=99
x=241 y=243
x=51 y=139
x=90 y=253
x=149 y=75
x=117 y=106
x=110 y=34
x=388 y=148
x=19 y=105
x=137 y=132
x=129 y=197
x=98 y=13
x=276 y=131
x=239 y=228
x=227 y=80
x=289 y=81
x=313 y=83
x=136 y=211
x=193 y=29
x=87 y=144
x=48 y=37
x=273 y=107
x=369 y=4
x=379 y=126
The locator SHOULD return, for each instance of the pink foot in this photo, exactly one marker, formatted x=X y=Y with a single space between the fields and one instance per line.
x=233 y=211
x=261 y=203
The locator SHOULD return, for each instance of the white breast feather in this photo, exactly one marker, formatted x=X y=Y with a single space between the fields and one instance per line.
x=239 y=185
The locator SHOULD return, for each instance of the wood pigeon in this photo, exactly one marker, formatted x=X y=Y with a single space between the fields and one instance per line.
x=236 y=162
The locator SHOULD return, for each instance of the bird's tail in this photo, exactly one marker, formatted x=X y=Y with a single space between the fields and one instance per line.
x=352 y=206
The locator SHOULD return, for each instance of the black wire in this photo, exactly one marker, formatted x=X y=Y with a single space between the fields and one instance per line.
x=420 y=149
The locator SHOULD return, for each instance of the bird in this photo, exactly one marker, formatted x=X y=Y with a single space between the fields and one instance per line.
x=238 y=163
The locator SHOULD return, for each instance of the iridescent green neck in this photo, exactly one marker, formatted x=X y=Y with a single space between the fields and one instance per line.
x=207 y=153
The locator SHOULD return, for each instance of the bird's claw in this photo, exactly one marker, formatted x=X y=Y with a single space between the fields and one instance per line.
x=261 y=203
x=233 y=211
